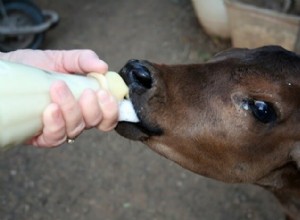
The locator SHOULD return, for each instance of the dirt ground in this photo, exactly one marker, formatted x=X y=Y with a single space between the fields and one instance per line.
x=102 y=175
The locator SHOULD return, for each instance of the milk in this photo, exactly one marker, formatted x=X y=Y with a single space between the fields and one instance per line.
x=24 y=95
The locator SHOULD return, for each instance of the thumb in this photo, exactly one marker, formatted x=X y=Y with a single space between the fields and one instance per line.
x=79 y=61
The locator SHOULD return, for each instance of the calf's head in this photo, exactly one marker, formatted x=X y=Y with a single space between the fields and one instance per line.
x=235 y=118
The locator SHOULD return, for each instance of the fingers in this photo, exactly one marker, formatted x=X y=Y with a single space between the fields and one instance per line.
x=53 y=133
x=109 y=108
x=70 y=109
x=88 y=61
x=90 y=108
x=78 y=61
x=67 y=117
x=99 y=110
x=67 y=61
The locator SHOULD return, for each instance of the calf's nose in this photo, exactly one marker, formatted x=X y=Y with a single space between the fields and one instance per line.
x=136 y=74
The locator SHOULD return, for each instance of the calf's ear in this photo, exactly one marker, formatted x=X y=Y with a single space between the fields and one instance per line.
x=239 y=53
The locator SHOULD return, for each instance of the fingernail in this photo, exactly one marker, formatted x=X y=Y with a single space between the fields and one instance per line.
x=104 y=66
x=63 y=91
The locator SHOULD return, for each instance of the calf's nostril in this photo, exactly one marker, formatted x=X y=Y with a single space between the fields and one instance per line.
x=136 y=74
x=141 y=75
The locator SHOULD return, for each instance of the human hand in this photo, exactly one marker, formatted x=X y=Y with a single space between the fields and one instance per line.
x=66 y=117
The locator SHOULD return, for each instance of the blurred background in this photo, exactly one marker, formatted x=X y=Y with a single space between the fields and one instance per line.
x=102 y=175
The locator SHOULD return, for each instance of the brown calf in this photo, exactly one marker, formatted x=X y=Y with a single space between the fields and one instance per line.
x=235 y=118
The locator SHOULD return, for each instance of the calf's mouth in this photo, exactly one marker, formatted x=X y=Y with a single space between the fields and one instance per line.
x=138 y=77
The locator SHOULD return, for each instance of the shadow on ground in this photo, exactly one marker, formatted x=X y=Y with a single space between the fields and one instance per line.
x=103 y=176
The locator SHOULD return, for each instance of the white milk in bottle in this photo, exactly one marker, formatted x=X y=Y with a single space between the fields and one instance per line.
x=24 y=94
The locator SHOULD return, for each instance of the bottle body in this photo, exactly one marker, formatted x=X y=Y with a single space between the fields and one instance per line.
x=24 y=94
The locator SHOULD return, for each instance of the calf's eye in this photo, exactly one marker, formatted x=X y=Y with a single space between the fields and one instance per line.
x=262 y=111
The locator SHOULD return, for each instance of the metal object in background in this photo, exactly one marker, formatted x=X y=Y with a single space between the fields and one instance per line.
x=23 y=24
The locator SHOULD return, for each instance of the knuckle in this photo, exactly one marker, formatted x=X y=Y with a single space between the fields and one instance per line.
x=90 y=52
x=70 y=107
x=55 y=143
x=92 y=122
x=48 y=141
x=73 y=132
x=111 y=109
x=107 y=127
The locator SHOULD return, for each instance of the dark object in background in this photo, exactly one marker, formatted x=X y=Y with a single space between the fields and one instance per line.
x=23 y=24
